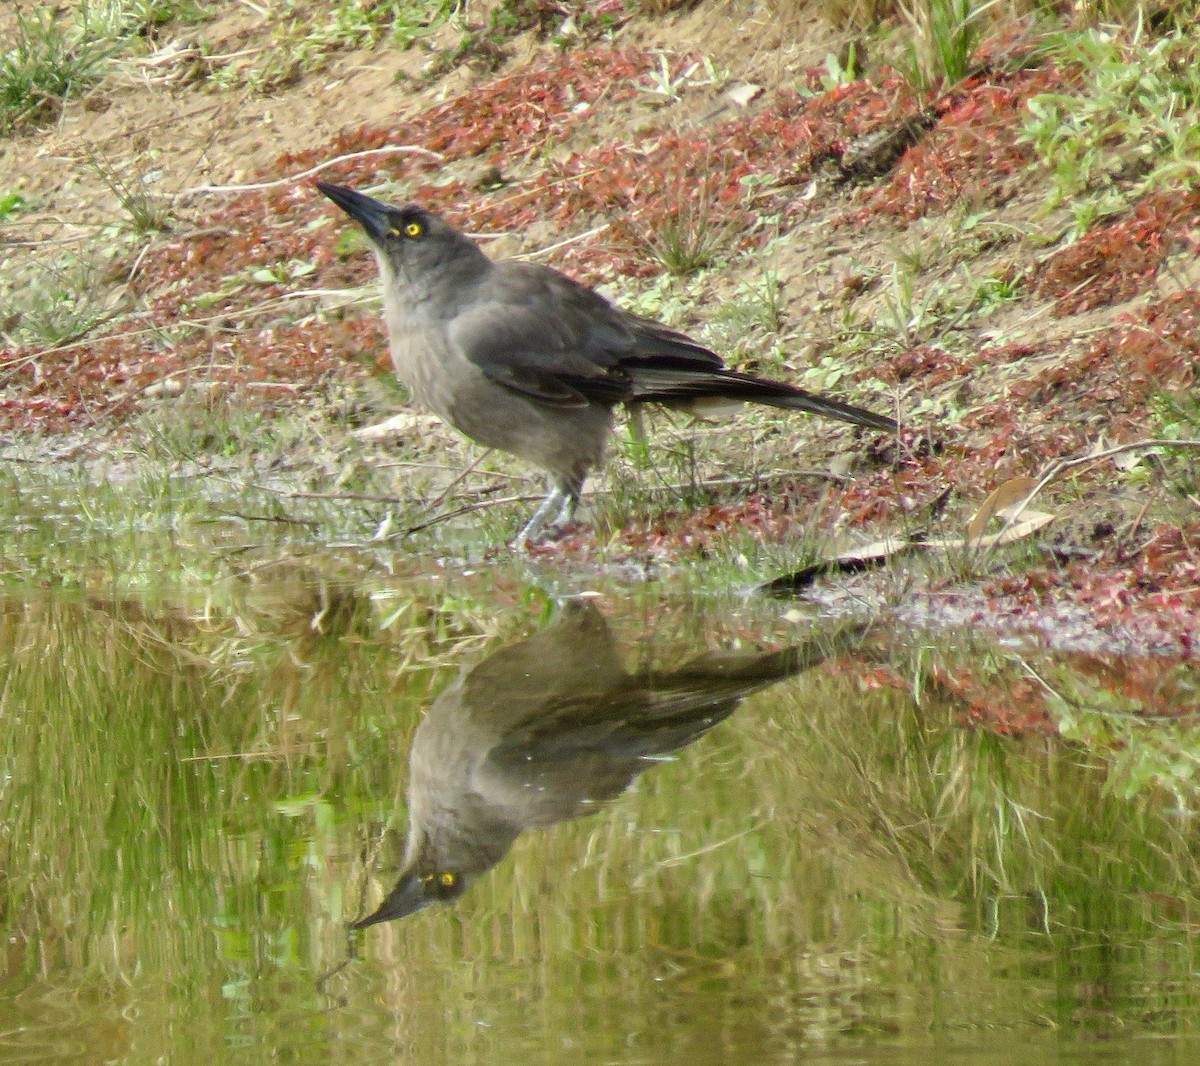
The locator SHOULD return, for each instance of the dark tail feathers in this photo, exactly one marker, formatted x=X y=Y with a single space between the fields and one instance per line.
x=677 y=386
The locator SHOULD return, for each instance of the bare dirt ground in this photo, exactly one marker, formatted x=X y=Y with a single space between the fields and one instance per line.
x=938 y=285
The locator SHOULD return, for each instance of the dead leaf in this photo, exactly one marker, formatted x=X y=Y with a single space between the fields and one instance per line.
x=398 y=425
x=1129 y=460
x=742 y=93
x=1012 y=492
x=1004 y=503
x=851 y=561
x=1030 y=523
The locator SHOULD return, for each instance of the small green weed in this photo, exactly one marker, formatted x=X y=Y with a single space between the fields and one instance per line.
x=305 y=43
x=352 y=24
x=146 y=211
x=123 y=19
x=753 y=310
x=153 y=13
x=59 y=51
x=1131 y=124
x=484 y=47
x=691 y=238
x=283 y=273
x=667 y=86
x=1178 y=416
x=47 y=64
x=52 y=305
x=839 y=71
x=995 y=292
x=912 y=318
x=945 y=37
x=684 y=246
x=663 y=298
x=11 y=204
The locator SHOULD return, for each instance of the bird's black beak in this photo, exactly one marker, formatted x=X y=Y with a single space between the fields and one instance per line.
x=371 y=214
x=408 y=897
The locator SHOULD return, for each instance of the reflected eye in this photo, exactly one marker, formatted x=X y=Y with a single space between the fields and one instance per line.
x=445 y=884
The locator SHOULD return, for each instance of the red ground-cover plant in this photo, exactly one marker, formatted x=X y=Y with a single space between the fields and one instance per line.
x=1007 y=701
x=504 y=119
x=925 y=363
x=1163 y=685
x=972 y=150
x=683 y=534
x=1014 y=352
x=1108 y=389
x=1150 y=590
x=700 y=175
x=895 y=494
x=101 y=383
x=633 y=189
x=515 y=114
x=43 y=414
x=1010 y=706
x=692 y=532
x=1145 y=353
x=793 y=137
x=705 y=176
x=1118 y=261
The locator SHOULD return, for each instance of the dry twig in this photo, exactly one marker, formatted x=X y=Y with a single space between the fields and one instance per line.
x=1063 y=465
x=410 y=149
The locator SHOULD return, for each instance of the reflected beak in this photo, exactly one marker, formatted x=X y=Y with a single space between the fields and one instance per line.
x=371 y=214
x=406 y=898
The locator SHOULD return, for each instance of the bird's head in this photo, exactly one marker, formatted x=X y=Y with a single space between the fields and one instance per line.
x=418 y=888
x=446 y=852
x=411 y=243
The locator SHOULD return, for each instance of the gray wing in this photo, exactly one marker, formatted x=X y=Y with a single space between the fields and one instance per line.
x=541 y=334
x=627 y=727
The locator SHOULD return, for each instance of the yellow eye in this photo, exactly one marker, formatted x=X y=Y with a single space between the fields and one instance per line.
x=447 y=879
x=413 y=229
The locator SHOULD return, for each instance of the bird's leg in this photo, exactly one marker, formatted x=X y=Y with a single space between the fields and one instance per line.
x=563 y=496
x=537 y=523
x=569 y=493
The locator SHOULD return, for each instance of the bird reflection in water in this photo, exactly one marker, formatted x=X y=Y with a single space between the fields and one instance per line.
x=546 y=729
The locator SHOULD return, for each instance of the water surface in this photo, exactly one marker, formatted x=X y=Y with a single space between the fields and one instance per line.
x=815 y=859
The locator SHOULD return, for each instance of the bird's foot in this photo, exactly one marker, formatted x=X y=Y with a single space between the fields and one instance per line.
x=540 y=528
x=547 y=536
x=560 y=530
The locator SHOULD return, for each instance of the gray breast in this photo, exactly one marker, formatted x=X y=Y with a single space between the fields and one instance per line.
x=566 y=442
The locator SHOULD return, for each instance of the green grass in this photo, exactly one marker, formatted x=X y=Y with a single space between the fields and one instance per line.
x=738 y=325
x=11 y=204
x=945 y=35
x=1177 y=414
x=59 y=51
x=146 y=211
x=307 y=37
x=51 y=304
x=690 y=240
x=49 y=62
x=1129 y=125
